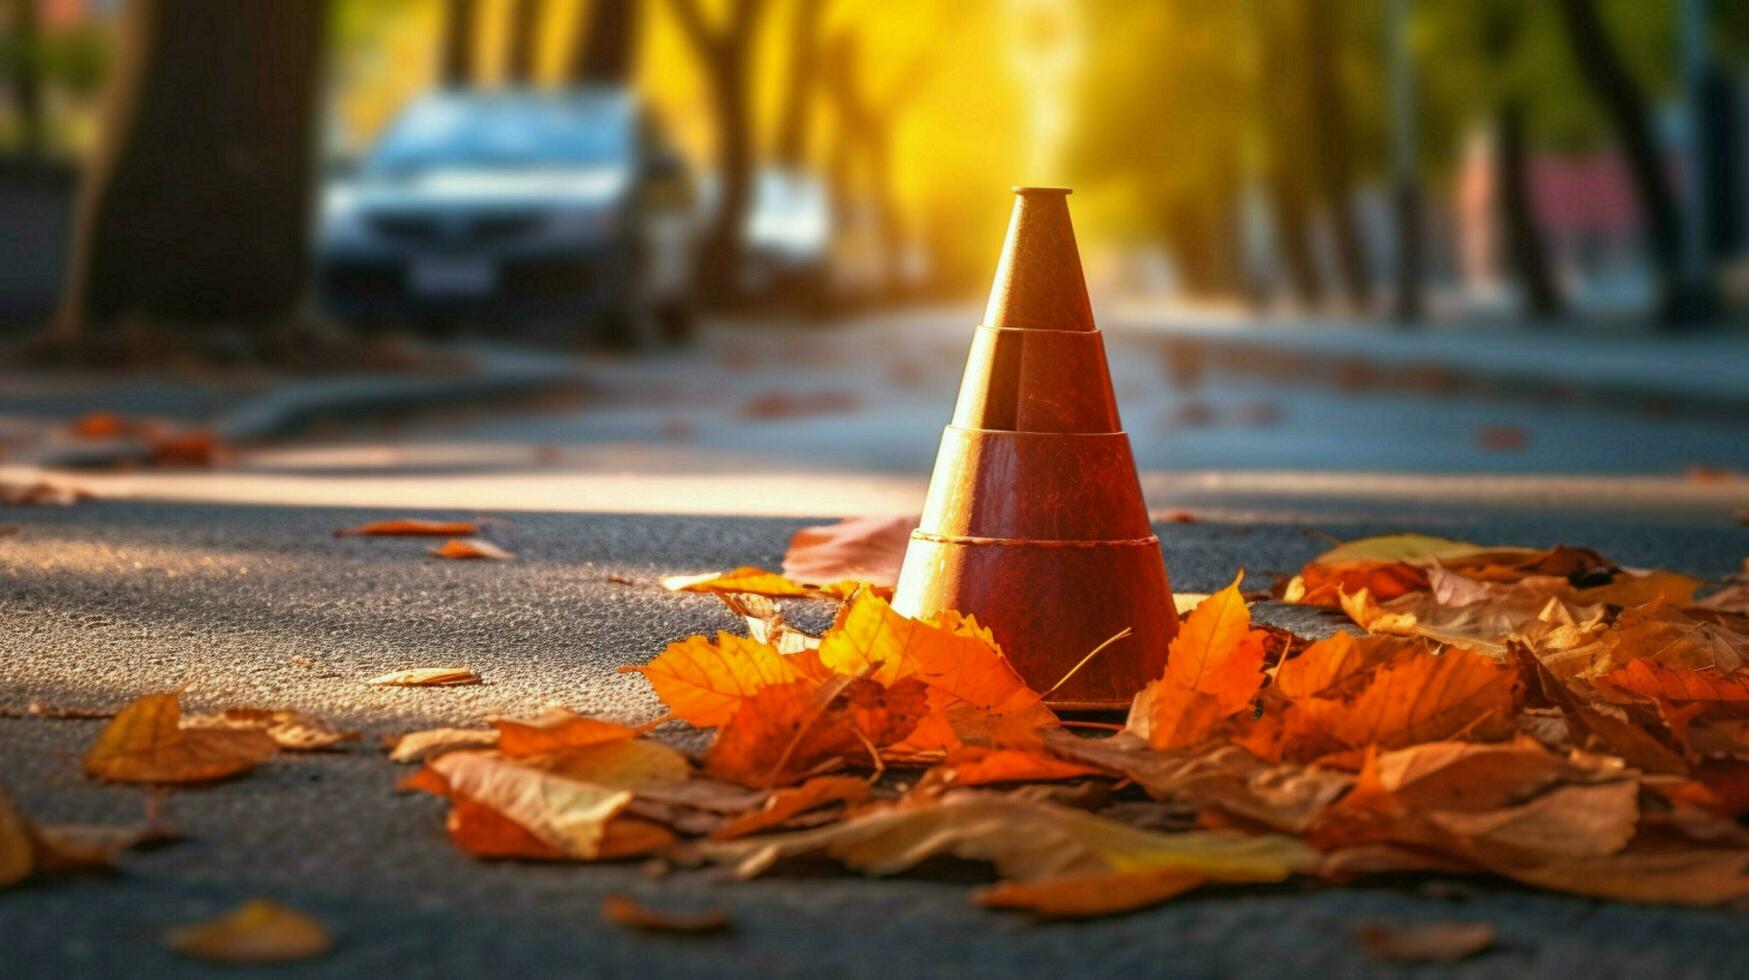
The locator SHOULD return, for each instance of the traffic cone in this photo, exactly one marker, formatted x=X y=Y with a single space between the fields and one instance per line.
x=1034 y=521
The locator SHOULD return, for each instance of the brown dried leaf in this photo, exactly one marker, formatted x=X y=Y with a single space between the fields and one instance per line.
x=146 y=743
x=1421 y=699
x=564 y=814
x=1425 y=942
x=1025 y=840
x=426 y=677
x=289 y=729
x=421 y=745
x=783 y=804
x=856 y=549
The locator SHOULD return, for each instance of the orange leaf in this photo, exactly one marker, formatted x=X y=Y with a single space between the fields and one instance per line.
x=146 y=743
x=258 y=931
x=624 y=911
x=788 y=732
x=564 y=814
x=1420 y=699
x=1329 y=662
x=856 y=549
x=1213 y=669
x=196 y=447
x=1650 y=679
x=469 y=548
x=555 y=731
x=1638 y=590
x=976 y=765
x=412 y=527
x=786 y=803
x=103 y=425
x=705 y=683
x=1085 y=896
x=1323 y=585
x=629 y=837
x=484 y=832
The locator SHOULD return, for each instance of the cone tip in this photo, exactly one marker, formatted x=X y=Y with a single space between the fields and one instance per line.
x=1024 y=190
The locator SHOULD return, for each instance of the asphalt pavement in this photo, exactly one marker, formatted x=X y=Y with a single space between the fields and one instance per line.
x=260 y=605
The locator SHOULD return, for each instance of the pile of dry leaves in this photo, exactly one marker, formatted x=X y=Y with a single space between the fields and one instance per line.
x=1539 y=715
x=1544 y=716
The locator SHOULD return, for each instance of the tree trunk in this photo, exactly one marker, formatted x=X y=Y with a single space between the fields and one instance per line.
x=1525 y=248
x=196 y=205
x=727 y=57
x=1281 y=113
x=461 y=35
x=27 y=92
x=523 y=63
x=722 y=246
x=1335 y=166
x=1722 y=160
x=1293 y=235
x=1619 y=95
x=607 y=53
x=798 y=98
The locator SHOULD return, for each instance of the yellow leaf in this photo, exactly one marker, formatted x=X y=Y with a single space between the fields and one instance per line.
x=755 y=581
x=952 y=655
x=258 y=931
x=1419 y=549
x=704 y=683
x=146 y=743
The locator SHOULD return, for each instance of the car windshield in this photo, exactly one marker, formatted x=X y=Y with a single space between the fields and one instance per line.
x=506 y=134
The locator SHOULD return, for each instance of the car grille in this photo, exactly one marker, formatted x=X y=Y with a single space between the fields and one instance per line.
x=455 y=230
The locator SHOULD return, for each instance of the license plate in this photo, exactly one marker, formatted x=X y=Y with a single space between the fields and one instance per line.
x=452 y=277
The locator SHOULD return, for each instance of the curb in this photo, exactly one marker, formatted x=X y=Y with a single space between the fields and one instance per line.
x=1695 y=382
x=294 y=408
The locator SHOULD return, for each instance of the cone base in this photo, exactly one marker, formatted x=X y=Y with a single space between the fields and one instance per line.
x=1049 y=604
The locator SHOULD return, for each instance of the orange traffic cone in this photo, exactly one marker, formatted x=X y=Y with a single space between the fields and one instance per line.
x=1035 y=522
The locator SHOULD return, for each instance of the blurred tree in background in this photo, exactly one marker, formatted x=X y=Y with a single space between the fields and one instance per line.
x=1246 y=141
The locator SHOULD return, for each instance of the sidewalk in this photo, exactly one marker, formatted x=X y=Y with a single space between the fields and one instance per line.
x=36 y=411
x=1700 y=372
